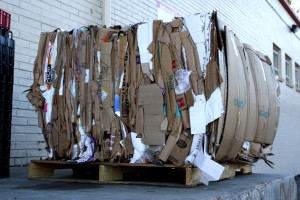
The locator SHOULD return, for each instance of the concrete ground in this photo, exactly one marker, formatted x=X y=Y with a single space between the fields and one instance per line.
x=297 y=179
x=254 y=186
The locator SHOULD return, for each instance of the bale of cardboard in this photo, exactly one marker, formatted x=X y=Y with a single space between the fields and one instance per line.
x=185 y=91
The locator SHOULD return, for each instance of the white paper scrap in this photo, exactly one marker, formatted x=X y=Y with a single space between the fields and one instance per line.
x=87 y=75
x=246 y=145
x=213 y=169
x=214 y=106
x=144 y=37
x=139 y=148
x=197 y=115
x=121 y=81
x=61 y=87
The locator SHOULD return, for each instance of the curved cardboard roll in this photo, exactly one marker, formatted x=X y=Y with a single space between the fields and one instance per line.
x=252 y=98
x=236 y=117
x=263 y=99
x=272 y=123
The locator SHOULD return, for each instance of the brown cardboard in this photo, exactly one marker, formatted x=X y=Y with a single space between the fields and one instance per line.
x=235 y=125
x=223 y=87
x=60 y=138
x=165 y=152
x=151 y=99
x=135 y=70
x=176 y=23
x=272 y=95
x=40 y=58
x=139 y=127
x=255 y=149
x=261 y=88
x=191 y=62
x=185 y=117
x=252 y=98
x=172 y=139
x=165 y=61
x=164 y=125
x=82 y=95
x=176 y=51
x=213 y=77
x=128 y=146
x=181 y=149
x=154 y=47
x=107 y=85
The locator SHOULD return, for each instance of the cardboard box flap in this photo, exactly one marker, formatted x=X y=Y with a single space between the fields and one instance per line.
x=151 y=99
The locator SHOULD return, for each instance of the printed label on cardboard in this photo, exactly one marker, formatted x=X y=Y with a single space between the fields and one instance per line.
x=171 y=82
x=182 y=144
x=181 y=103
x=174 y=64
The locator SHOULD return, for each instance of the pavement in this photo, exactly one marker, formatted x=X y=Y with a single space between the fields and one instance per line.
x=297 y=179
x=254 y=186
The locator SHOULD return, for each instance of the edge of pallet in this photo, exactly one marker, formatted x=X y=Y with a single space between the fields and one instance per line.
x=58 y=162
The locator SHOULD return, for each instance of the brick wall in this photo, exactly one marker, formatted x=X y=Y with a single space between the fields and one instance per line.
x=259 y=23
x=29 y=19
x=132 y=11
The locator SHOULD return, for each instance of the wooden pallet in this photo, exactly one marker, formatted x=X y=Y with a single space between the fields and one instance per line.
x=125 y=173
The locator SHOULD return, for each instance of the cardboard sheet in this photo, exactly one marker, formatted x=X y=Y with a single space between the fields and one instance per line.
x=150 y=100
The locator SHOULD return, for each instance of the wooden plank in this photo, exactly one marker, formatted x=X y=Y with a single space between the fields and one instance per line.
x=38 y=170
x=245 y=169
x=192 y=177
x=229 y=171
x=231 y=168
x=110 y=173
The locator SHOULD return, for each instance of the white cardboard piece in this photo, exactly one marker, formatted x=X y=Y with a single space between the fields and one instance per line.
x=198 y=116
x=144 y=37
x=139 y=148
x=214 y=106
x=199 y=28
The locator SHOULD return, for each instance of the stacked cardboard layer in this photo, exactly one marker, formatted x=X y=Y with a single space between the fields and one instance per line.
x=178 y=92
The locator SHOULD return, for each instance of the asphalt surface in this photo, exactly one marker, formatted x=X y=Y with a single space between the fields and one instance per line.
x=18 y=186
